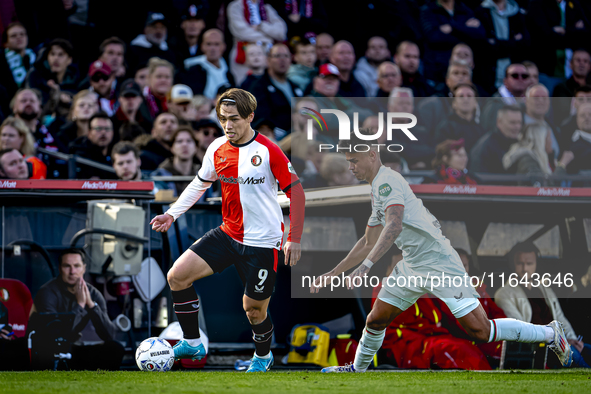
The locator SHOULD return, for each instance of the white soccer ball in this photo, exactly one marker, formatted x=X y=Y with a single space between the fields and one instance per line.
x=154 y=354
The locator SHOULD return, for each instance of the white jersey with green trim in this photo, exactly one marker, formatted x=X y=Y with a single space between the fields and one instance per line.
x=421 y=239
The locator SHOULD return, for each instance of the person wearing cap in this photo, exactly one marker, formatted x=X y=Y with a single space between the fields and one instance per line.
x=152 y=43
x=186 y=46
x=274 y=91
x=206 y=131
x=131 y=107
x=180 y=99
x=102 y=82
x=206 y=73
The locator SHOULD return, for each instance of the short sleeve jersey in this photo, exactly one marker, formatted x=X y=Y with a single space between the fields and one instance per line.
x=421 y=239
x=249 y=174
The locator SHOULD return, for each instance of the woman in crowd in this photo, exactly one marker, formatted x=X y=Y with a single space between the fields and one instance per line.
x=84 y=105
x=450 y=163
x=160 y=77
x=14 y=134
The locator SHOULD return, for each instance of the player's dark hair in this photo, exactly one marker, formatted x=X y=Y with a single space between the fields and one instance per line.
x=346 y=145
x=123 y=148
x=523 y=247
x=244 y=101
x=71 y=251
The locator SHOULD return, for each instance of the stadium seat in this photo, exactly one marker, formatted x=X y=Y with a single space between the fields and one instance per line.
x=17 y=299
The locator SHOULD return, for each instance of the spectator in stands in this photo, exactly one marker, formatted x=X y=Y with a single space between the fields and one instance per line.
x=274 y=91
x=202 y=107
x=126 y=161
x=69 y=292
x=507 y=40
x=445 y=24
x=141 y=76
x=206 y=73
x=206 y=131
x=388 y=78
x=192 y=25
x=14 y=134
x=267 y=128
x=392 y=160
x=302 y=72
x=461 y=122
x=580 y=65
x=103 y=82
x=26 y=106
x=534 y=304
x=450 y=163
x=54 y=70
x=462 y=53
x=84 y=106
x=16 y=59
x=160 y=76
x=335 y=170
x=534 y=73
x=556 y=27
x=304 y=19
x=180 y=103
x=537 y=106
x=131 y=108
x=366 y=70
x=408 y=58
x=158 y=148
x=512 y=92
x=581 y=140
x=252 y=21
x=569 y=125
x=182 y=163
x=95 y=146
x=487 y=154
x=256 y=61
x=324 y=44
x=13 y=165
x=152 y=43
x=112 y=52
x=343 y=57
x=532 y=154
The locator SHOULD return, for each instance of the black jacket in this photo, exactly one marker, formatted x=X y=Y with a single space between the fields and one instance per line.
x=582 y=151
x=487 y=154
x=83 y=147
x=195 y=77
x=454 y=128
x=418 y=84
x=272 y=103
x=40 y=74
x=54 y=297
x=153 y=154
x=352 y=88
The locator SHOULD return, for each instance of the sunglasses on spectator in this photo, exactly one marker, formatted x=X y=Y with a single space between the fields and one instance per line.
x=518 y=75
x=99 y=77
x=206 y=133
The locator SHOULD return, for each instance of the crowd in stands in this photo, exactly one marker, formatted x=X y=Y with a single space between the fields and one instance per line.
x=497 y=86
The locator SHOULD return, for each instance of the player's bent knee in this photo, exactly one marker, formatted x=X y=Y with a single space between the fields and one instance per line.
x=175 y=282
x=377 y=322
x=254 y=315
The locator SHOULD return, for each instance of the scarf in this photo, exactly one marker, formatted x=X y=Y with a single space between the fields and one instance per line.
x=250 y=12
x=305 y=8
x=155 y=104
x=451 y=176
x=16 y=64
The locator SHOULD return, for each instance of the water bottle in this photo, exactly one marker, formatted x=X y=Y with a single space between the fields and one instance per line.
x=241 y=365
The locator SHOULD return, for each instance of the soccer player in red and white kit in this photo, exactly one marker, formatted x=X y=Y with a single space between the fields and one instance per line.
x=249 y=166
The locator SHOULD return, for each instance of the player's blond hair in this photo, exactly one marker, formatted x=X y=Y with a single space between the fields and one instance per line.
x=244 y=101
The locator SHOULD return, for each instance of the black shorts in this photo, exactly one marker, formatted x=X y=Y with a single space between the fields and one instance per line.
x=257 y=267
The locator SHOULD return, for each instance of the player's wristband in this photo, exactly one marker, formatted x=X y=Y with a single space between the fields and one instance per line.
x=367 y=263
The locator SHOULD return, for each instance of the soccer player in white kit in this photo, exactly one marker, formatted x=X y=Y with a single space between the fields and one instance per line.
x=250 y=168
x=399 y=217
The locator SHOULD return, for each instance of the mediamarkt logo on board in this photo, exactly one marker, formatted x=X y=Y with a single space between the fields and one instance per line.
x=100 y=185
x=7 y=184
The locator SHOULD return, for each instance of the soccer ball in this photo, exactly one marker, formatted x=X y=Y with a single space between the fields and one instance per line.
x=154 y=354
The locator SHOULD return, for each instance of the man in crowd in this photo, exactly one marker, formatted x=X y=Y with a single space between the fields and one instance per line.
x=256 y=60
x=158 y=148
x=343 y=57
x=537 y=106
x=69 y=292
x=131 y=108
x=126 y=161
x=13 y=165
x=102 y=81
x=581 y=140
x=95 y=146
x=26 y=106
x=112 y=52
x=580 y=64
x=569 y=125
x=389 y=77
x=192 y=25
x=408 y=58
x=180 y=102
x=152 y=43
x=303 y=70
x=366 y=71
x=487 y=154
x=324 y=44
x=206 y=131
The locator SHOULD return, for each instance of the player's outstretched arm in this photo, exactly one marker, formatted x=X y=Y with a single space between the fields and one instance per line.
x=162 y=223
x=355 y=256
x=384 y=242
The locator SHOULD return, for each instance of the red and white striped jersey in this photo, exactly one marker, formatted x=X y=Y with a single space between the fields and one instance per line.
x=249 y=174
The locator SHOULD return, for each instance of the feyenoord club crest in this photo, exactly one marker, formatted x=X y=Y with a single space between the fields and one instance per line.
x=4 y=295
x=256 y=160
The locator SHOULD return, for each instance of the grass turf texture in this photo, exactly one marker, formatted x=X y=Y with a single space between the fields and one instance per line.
x=456 y=382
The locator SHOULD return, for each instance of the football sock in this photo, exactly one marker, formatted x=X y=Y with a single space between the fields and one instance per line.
x=518 y=331
x=262 y=335
x=370 y=343
x=194 y=342
x=186 y=309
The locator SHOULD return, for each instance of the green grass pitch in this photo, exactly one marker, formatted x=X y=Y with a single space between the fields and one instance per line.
x=456 y=382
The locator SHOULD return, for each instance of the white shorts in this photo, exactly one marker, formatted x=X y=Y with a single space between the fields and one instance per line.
x=443 y=277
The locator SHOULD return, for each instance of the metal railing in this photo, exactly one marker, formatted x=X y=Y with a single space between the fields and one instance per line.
x=73 y=160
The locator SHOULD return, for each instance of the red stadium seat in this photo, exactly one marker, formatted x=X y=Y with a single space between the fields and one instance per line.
x=15 y=295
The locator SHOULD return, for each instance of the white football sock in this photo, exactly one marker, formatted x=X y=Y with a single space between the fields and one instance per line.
x=518 y=331
x=370 y=343
x=194 y=342
x=263 y=357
